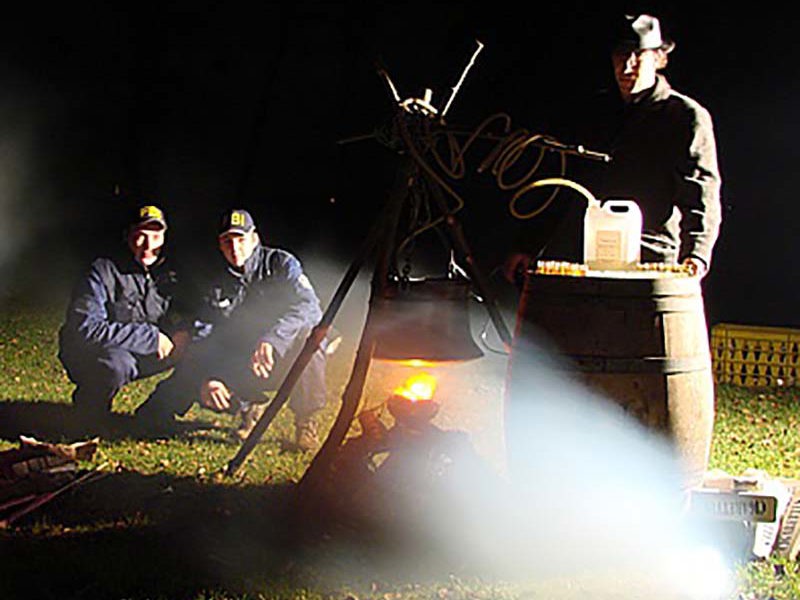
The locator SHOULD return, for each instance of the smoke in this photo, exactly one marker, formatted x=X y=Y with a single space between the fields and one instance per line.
x=34 y=144
x=326 y=268
x=590 y=499
x=586 y=496
x=18 y=218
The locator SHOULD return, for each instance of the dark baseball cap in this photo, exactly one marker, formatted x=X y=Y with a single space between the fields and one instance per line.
x=146 y=215
x=237 y=220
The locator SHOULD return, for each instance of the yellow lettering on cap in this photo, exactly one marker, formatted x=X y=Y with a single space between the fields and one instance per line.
x=237 y=219
x=152 y=212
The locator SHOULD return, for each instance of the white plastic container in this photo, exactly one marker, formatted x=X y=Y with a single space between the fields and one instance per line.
x=612 y=235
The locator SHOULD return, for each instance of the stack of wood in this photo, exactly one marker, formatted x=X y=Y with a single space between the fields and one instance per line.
x=37 y=472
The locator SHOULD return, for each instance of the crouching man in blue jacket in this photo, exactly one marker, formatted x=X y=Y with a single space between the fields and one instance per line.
x=116 y=328
x=256 y=312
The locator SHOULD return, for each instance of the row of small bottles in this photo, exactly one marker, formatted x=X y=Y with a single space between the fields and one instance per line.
x=571 y=269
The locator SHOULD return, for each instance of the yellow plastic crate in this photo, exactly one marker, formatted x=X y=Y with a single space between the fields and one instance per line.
x=755 y=356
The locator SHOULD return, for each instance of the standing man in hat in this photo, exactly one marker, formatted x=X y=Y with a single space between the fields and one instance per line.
x=119 y=326
x=663 y=156
x=258 y=310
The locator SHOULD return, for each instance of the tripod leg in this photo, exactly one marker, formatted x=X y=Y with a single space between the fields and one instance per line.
x=351 y=399
x=355 y=386
x=476 y=274
x=312 y=343
x=456 y=233
x=382 y=230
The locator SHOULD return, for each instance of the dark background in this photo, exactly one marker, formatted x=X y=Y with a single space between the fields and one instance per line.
x=200 y=106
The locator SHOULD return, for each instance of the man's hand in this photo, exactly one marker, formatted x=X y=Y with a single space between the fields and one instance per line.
x=697 y=267
x=262 y=362
x=215 y=395
x=165 y=346
x=515 y=266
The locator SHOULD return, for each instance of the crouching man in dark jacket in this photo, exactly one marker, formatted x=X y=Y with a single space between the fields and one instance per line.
x=257 y=311
x=115 y=329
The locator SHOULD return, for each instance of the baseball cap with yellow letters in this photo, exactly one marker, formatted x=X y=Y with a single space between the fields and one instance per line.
x=237 y=221
x=148 y=214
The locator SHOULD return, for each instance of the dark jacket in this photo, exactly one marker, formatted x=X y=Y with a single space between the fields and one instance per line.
x=270 y=300
x=664 y=157
x=119 y=304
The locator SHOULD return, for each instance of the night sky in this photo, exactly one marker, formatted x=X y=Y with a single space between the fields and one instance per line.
x=204 y=105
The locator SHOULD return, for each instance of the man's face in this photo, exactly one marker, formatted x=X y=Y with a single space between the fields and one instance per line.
x=635 y=70
x=237 y=247
x=146 y=241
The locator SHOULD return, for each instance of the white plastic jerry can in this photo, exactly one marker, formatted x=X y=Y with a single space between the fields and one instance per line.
x=612 y=235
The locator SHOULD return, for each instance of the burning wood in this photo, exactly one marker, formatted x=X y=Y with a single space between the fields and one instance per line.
x=383 y=477
x=418 y=387
x=412 y=404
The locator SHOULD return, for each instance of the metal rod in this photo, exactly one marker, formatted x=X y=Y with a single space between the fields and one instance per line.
x=475 y=274
x=352 y=395
x=311 y=344
x=47 y=497
x=351 y=398
x=543 y=142
x=309 y=347
x=356 y=138
x=461 y=80
x=457 y=237
x=379 y=231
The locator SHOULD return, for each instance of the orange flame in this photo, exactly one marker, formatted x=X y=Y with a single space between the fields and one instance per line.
x=418 y=387
x=418 y=363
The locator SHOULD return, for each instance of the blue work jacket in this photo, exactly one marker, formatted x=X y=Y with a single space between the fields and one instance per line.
x=117 y=303
x=270 y=300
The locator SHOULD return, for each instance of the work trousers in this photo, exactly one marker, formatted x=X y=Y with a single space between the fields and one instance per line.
x=229 y=362
x=99 y=373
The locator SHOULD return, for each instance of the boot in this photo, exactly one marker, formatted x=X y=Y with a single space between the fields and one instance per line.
x=306 y=437
x=250 y=414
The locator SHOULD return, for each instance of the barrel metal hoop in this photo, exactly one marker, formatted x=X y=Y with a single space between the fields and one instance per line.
x=660 y=304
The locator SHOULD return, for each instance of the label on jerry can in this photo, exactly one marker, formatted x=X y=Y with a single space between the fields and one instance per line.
x=732 y=506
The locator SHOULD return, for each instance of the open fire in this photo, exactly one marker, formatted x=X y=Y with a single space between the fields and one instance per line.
x=417 y=387
x=412 y=404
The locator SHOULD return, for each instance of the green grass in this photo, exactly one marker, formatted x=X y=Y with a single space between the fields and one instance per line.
x=165 y=522
x=32 y=373
x=757 y=428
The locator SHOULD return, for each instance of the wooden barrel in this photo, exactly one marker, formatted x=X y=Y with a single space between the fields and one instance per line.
x=641 y=342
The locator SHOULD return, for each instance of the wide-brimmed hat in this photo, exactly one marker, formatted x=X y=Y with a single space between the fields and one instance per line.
x=641 y=32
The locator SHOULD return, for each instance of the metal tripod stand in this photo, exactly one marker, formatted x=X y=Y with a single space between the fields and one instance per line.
x=380 y=245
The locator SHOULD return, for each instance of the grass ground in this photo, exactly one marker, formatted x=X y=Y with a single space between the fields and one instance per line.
x=164 y=521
